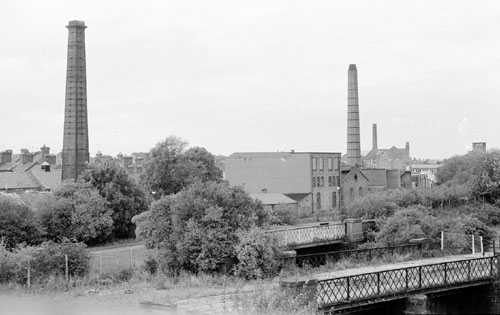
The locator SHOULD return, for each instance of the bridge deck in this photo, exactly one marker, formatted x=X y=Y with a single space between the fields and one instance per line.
x=370 y=269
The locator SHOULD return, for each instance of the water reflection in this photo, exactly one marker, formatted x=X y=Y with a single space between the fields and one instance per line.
x=46 y=305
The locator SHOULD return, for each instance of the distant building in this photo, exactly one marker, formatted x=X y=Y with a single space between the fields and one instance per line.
x=479 y=147
x=354 y=184
x=424 y=175
x=310 y=178
x=277 y=202
x=29 y=171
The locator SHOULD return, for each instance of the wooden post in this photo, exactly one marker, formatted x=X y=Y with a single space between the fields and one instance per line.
x=482 y=246
x=67 y=267
x=29 y=275
x=442 y=240
x=131 y=259
x=100 y=263
x=473 y=247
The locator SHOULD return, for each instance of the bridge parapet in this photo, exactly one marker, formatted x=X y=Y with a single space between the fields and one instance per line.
x=337 y=294
x=296 y=237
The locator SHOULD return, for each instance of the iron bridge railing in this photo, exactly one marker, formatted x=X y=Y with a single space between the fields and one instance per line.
x=369 y=287
x=309 y=235
x=367 y=254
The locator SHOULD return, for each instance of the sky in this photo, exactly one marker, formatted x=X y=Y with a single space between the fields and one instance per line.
x=255 y=75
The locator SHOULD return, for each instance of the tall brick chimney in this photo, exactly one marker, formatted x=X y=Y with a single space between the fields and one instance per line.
x=374 y=137
x=353 y=139
x=75 y=152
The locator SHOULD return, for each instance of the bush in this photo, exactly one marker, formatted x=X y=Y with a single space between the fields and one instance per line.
x=257 y=254
x=49 y=259
x=407 y=224
x=151 y=265
x=10 y=267
x=196 y=229
x=18 y=225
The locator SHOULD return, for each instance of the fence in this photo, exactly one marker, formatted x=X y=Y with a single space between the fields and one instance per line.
x=309 y=235
x=461 y=243
x=111 y=260
x=400 y=282
x=318 y=259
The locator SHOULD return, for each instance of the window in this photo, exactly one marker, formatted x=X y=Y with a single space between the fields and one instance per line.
x=314 y=161
x=318 y=201
x=330 y=181
x=322 y=181
x=330 y=164
x=334 y=199
x=321 y=164
x=361 y=191
x=314 y=181
x=351 y=194
x=338 y=181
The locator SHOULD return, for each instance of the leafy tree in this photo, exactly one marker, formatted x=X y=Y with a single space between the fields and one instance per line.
x=18 y=224
x=407 y=224
x=123 y=196
x=196 y=229
x=77 y=211
x=256 y=252
x=172 y=168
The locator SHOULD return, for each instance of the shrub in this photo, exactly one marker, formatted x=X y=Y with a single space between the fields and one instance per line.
x=49 y=259
x=18 y=224
x=406 y=224
x=256 y=252
x=151 y=265
x=196 y=229
x=10 y=267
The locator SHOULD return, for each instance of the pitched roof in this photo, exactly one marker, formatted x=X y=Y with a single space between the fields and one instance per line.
x=14 y=180
x=273 y=198
x=47 y=180
x=353 y=169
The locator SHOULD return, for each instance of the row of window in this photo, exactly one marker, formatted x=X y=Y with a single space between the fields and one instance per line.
x=319 y=165
x=334 y=197
x=319 y=181
x=333 y=200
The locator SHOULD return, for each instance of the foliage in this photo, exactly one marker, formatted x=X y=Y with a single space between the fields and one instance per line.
x=406 y=224
x=123 y=196
x=45 y=260
x=196 y=229
x=479 y=171
x=171 y=168
x=283 y=216
x=18 y=224
x=77 y=211
x=10 y=268
x=49 y=259
x=372 y=206
x=256 y=252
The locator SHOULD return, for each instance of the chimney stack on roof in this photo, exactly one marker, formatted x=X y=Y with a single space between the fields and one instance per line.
x=353 y=138
x=6 y=157
x=374 y=137
x=45 y=150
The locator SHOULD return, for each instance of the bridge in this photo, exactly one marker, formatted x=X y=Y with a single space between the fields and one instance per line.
x=352 y=289
x=321 y=234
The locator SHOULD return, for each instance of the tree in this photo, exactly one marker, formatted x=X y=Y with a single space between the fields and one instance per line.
x=407 y=224
x=196 y=229
x=172 y=168
x=76 y=211
x=18 y=224
x=123 y=196
x=159 y=174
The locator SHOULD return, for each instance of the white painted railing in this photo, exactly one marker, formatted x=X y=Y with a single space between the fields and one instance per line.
x=309 y=235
